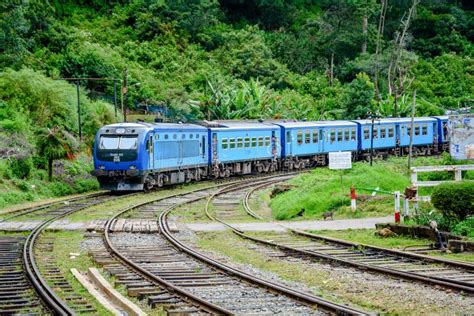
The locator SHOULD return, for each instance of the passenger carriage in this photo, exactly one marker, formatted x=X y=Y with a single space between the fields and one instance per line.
x=243 y=147
x=308 y=143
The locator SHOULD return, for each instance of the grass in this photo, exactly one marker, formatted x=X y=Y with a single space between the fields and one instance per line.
x=322 y=190
x=109 y=208
x=368 y=237
x=66 y=242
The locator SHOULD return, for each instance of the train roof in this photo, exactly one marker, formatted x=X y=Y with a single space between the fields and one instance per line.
x=151 y=126
x=240 y=125
x=396 y=120
x=315 y=124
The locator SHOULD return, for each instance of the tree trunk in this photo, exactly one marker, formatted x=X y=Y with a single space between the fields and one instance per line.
x=331 y=71
x=364 y=33
x=50 y=169
x=383 y=11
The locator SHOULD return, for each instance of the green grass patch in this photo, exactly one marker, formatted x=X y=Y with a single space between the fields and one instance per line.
x=368 y=237
x=322 y=190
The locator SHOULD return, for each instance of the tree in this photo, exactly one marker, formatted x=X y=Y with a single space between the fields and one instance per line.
x=358 y=97
x=398 y=73
x=56 y=143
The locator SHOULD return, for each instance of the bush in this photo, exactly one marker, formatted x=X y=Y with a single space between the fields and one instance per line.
x=465 y=228
x=455 y=200
x=21 y=168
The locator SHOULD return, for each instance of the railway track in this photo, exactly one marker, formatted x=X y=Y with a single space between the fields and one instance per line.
x=435 y=271
x=169 y=273
x=23 y=288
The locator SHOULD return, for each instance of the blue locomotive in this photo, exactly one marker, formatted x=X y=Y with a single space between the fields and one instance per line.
x=140 y=156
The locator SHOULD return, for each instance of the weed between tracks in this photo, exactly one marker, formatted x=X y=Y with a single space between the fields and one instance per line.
x=367 y=236
x=67 y=242
x=109 y=208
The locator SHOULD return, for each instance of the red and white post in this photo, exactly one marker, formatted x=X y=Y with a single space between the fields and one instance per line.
x=353 y=200
x=397 y=206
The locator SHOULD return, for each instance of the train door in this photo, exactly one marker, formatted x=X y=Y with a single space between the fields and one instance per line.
x=397 y=135
x=320 y=140
x=151 y=150
x=289 y=143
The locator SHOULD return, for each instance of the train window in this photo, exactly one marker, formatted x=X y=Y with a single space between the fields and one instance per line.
x=175 y=136
x=232 y=143
x=224 y=143
x=299 y=137
x=247 y=142
x=260 y=141
x=109 y=142
x=353 y=134
x=417 y=130
x=166 y=136
x=267 y=141
x=254 y=141
x=307 y=136
x=383 y=132
x=203 y=145
x=240 y=143
x=333 y=135
x=339 y=135
x=409 y=130
x=315 y=136
x=191 y=136
x=321 y=134
x=346 y=134
x=424 y=129
x=366 y=133
x=128 y=142
x=376 y=133
x=183 y=136
x=390 y=132
x=288 y=136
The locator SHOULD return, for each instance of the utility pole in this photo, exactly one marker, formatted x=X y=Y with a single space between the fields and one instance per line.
x=124 y=92
x=372 y=141
x=115 y=97
x=412 y=129
x=79 y=110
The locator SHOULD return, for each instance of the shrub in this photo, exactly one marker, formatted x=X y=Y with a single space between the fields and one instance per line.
x=465 y=228
x=21 y=168
x=455 y=200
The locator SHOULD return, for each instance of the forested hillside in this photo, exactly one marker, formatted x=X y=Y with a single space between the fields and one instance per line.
x=223 y=59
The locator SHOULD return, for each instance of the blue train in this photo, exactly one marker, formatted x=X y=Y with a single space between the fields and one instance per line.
x=140 y=156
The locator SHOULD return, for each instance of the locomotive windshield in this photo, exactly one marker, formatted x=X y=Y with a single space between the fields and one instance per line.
x=118 y=142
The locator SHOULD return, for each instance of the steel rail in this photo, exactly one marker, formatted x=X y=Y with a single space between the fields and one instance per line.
x=28 y=210
x=295 y=294
x=208 y=306
x=49 y=297
x=454 y=284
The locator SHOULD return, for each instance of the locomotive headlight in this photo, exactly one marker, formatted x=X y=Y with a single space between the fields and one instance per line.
x=101 y=167
x=120 y=130
x=133 y=167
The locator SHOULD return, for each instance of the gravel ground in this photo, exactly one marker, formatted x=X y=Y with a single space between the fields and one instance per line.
x=240 y=297
x=367 y=289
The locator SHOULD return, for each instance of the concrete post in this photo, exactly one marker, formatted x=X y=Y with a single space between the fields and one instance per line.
x=397 y=206
x=406 y=208
x=457 y=174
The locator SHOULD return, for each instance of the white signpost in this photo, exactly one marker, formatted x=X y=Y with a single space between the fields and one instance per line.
x=340 y=160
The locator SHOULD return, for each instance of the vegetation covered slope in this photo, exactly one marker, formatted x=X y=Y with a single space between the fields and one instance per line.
x=226 y=59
